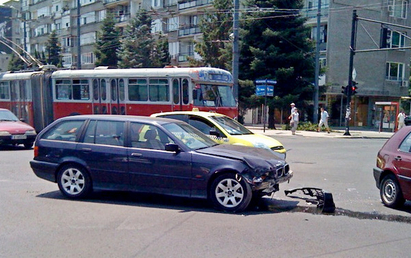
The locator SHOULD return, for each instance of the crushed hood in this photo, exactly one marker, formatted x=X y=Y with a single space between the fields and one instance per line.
x=258 y=159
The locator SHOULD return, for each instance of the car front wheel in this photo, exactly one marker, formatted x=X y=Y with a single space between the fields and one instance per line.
x=390 y=192
x=28 y=145
x=229 y=194
x=74 y=181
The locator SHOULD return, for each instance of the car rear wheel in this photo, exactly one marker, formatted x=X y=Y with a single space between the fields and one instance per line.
x=229 y=194
x=390 y=192
x=74 y=181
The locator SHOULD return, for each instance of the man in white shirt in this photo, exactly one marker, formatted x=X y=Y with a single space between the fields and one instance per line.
x=401 y=119
x=323 y=120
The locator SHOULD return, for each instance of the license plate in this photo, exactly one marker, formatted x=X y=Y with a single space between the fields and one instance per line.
x=18 y=137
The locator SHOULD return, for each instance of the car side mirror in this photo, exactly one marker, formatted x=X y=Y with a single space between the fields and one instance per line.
x=172 y=147
x=214 y=132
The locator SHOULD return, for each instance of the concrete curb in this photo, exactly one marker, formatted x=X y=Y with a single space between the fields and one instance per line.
x=334 y=134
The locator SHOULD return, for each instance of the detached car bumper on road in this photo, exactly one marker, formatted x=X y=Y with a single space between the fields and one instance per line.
x=155 y=155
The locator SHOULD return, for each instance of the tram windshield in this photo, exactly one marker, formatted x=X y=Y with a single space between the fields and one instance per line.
x=213 y=96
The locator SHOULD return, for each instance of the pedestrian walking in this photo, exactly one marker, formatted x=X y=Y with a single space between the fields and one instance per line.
x=401 y=119
x=294 y=118
x=292 y=108
x=323 y=120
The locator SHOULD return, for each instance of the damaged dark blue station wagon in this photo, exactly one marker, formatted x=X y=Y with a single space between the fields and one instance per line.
x=154 y=155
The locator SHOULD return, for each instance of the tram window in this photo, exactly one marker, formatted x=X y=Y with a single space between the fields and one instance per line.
x=95 y=89
x=137 y=90
x=63 y=89
x=113 y=90
x=121 y=89
x=185 y=91
x=81 y=89
x=176 y=93
x=4 y=90
x=159 y=90
x=103 y=92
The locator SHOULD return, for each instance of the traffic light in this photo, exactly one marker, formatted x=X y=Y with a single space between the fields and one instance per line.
x=345 y=90
x=354 y=88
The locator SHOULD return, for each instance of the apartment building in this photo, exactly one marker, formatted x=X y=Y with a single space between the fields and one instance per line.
x=382 y=75
x=381 y=65
x=177 y=19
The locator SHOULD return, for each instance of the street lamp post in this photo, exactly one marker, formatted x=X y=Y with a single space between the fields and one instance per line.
x=236 y=54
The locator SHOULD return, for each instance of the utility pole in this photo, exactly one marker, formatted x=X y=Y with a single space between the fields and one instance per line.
x=350 y=71
x=317 y=64
x=236 y=53
x=78 y=36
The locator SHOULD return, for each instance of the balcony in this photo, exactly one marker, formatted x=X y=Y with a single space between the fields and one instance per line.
x=115 y=2
x=183 y=56
x=185 y=31
x=185 y=4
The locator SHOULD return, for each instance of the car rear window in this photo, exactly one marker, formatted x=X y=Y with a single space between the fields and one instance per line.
x=406 y=144
x=64 y=131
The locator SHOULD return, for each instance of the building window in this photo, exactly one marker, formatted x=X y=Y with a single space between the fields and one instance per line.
x=398 y=8
x=87 y=58
x=323 y=33
x=172 y=24
x=395 y=71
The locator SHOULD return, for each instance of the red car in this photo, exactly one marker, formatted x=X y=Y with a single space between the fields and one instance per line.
x=393 y=172
x=13 y=131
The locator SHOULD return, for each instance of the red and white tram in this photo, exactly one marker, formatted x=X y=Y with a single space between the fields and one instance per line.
x=42 y=96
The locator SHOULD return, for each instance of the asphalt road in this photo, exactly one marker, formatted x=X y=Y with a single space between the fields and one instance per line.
x=37 y=221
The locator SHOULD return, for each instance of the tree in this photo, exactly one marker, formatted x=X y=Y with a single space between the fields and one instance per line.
x=16 y=63
x=215 y=47
x=107 y=43
x=276 y=46
x=53 y=50
x=161 y=55
x=139 y=48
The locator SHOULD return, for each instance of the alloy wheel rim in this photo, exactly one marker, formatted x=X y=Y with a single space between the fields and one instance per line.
x=72 y=181
x=229 y=193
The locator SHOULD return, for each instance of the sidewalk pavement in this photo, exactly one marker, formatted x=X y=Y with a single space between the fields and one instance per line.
x=339 y=133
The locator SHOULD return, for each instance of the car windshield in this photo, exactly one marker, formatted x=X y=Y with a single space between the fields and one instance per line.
x=191 y=137
x=6 y=115
x=230 y=125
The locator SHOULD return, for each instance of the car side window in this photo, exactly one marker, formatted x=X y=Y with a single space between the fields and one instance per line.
x=406 y=144
x=105 y=132
x=204 y=126
x=148 y=137
x=64 y=131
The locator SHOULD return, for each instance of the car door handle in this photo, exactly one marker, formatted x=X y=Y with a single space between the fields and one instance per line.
x=86 y=149
x=398 y=158
x=136 y=154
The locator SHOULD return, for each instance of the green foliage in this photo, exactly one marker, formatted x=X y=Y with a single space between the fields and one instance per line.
x=215 y=47
x=107 y=43
x=53 y=50
x=139 y=48
x=276 y=45
x=16 y=64
x=302 y=126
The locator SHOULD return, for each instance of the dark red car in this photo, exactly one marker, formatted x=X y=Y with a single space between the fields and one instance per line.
x=393 y=172
x=13 y=131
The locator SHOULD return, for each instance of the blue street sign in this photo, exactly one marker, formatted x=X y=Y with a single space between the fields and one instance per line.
x=261 y=90
x=265 y=82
